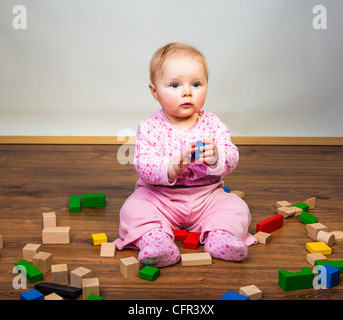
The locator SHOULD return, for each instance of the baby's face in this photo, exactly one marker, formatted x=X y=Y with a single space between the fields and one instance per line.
x=181 y=86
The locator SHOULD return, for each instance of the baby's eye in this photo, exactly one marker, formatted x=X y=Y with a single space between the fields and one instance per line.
x=174 y=85
x=196 y=84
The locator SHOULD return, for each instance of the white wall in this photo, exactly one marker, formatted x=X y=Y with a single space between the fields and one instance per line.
x=81 y=67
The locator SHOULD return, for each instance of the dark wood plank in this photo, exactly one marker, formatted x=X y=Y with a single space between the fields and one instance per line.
x=40 y=178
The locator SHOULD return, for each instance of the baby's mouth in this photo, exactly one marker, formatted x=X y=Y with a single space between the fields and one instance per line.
x=187 y=104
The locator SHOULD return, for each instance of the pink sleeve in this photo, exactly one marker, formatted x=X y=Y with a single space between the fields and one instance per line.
x=150 y=163
x=228 y=154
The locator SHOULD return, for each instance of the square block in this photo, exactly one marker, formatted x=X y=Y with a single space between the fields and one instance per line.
x=99 y=238
x=49 y=219
x=56 y=235
x=196 y=259
x=313 y=228
x=287 y=211
x=77 y=275
x=328 y=276
x=318 y=247
x=263 y=237
x=252 y=292
x=192 y=240
x=32 y=294
x=75 y=203
x=42 y=261
x=59 y=273
x=30 y=250
x=316 y=256
x=90 y=286
x=93 y=200
x=180 y=234
x=129 y=267
x=108 y=249
x=149 y=273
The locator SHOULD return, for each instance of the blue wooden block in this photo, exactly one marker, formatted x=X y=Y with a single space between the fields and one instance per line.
x=230 y=295
x=197 y=153
x=226 y=189
x=328 y=276
x=32 y=294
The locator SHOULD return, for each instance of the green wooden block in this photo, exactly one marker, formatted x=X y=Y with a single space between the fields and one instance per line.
x=301 y=205
x=29 y=271
x=296 y=280
x=75 y=204
x=93 y=200
x=149 y=273
x=307 y=218
x=93 y=297
x=335 y=263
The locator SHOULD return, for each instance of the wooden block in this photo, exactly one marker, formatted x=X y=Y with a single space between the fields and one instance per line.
x=280 y=204
x=287 y=211
x=298 y=211
x=30 y=250
x=29 y=271
x=338 y=235
x=78 y=274
x=59 y=273
x=1 y=242
x=196 y=259
x=238 y=193
x=32 y=294
x=98 y=238
x=42 y=261
x=90 y=286
x=296 y=280
x=252 y=292
x=75 y=203
x=263 y=237
x=56 y=235
x=129 y=267
x=302 y=206
x=149 y=273
x=318 y=247
x=329 y=276
x=270 y=224
x=180 y=234
x=93 y=297
x=313 y=257
x=233 y=296
x=307 y=218
x=313 y=228
x=64 y=291
x=196 y=154
x=93 y=200
x=49 y=219
x=326 y=237
x=192 y=240
x=53 y=296
x=335 y=263
x=108 y=249
x=311 y=202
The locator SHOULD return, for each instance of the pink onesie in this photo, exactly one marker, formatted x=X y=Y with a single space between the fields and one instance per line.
x=195 y=200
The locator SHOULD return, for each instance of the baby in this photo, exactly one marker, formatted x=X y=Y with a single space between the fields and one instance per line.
x=175 y=191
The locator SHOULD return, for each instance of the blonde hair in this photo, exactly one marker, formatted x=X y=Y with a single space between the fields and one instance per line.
x=169 y=49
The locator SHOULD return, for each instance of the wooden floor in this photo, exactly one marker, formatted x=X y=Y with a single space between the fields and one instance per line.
x=40 y=178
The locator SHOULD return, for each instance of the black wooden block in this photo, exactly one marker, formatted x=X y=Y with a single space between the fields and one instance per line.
x=62 y=290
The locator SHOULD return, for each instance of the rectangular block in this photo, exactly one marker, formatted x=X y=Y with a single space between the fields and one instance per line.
x=149 y=273
x=180 y=234
x=302 y=206
x=93 y=200
x=313 y=257
x=29 y=271
x=30 y=250
x=287 y=211
x=318 y=247
x=196 y=259
x=129 y=267
x=1 y=242
x=57 y=235
x=108 y=249
x=296 y=280
x=192 y=240
x=75 y=203
x=59 y=273
x=32 y=294
x=66 y=292
x=49 y=219
x=90 y=286
x=271 y=224
x=98 y=238
x=283 y=203
x=307 y=218
x=196 y=154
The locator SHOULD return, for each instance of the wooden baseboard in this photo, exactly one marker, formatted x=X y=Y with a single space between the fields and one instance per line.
x=328 y=141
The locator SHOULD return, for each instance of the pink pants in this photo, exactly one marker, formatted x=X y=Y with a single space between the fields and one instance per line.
x=198 y=209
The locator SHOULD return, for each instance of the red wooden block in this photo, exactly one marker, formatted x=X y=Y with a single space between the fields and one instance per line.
x=192 y=240
x=180 y=234
x=270 y=224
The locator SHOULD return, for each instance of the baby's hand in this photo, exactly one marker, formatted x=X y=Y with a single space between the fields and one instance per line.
x=210 y=152
x=179 y=164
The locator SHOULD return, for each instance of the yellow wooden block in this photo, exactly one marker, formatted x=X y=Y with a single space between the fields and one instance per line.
x=318 y=247
x=99 y=238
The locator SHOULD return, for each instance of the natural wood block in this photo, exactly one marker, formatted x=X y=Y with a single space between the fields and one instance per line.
x=49 y=219
x=108 y=249
x=313 y=229
x=326 y=237
x=53 y=296
x=311 y=202
x=313 y=257
x=129 y=267
x=59 y=273
x=56 y=235
x=298 y=211
x=280 y=204
x=238 y=193
x=30 y=250
x=42 y=261
x=287 y=211
x=196 y=259
x=1 y=242
x=77 y=275
x=252 y=292
x=263 y=237
x=90 y=286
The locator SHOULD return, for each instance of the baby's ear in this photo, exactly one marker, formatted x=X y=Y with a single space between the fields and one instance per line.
x=153 y=91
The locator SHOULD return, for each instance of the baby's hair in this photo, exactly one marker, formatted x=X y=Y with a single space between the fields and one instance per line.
x=169 y=49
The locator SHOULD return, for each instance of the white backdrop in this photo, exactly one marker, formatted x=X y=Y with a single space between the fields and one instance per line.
x=81 y=66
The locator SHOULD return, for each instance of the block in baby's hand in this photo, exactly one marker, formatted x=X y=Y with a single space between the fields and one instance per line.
x=196 y=154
